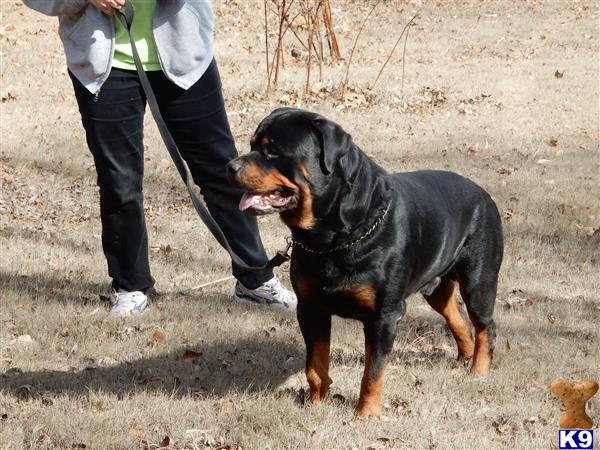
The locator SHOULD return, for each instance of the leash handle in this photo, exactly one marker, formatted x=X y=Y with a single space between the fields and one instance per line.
x=125 y=16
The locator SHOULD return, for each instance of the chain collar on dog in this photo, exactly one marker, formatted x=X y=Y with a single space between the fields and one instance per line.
x=294 y=243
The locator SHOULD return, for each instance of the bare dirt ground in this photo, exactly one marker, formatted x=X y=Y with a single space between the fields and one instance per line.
x=504 y=92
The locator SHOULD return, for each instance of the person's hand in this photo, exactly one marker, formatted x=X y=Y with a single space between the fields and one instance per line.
x=108 y=6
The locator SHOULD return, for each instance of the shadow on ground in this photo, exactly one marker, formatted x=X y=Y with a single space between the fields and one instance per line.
x=249 y=365
x=56 y=288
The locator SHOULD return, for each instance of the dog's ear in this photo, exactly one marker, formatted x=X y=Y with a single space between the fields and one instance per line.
x=260 y=130
x=334 y=142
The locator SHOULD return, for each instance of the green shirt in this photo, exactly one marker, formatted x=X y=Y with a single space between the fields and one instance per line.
x=141 y=31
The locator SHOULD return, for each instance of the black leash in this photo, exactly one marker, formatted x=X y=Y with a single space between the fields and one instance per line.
x=125 y=16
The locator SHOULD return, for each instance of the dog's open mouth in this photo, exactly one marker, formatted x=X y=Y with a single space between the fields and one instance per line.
x=268 y=202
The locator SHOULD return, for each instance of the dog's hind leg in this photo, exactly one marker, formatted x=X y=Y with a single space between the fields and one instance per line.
x=443 y=300
x=477 y=273
x=480 y=304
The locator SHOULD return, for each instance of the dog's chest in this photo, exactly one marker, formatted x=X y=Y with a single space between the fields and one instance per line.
x=335 y=289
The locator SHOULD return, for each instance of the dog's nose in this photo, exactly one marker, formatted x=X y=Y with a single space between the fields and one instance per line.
x=234 y=167
x=233 y=170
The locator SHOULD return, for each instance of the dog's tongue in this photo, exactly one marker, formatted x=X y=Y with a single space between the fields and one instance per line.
x=248 y=200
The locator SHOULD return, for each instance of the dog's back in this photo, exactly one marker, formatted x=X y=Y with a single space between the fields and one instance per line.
x=442 y=213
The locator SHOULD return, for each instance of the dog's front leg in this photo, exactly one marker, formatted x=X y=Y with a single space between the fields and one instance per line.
x=316 y=329
x=379 y=340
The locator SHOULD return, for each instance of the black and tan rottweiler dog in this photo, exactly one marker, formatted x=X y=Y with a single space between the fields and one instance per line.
x=364 y=240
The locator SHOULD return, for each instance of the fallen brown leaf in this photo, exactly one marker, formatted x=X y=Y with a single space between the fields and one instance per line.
x=8 y=96
x=339 y=398
x=165 y=442
x=503 y=425
x=508 y=214
x=401 y=406
x=189 y=355
x=515 y=300
x=156 y=338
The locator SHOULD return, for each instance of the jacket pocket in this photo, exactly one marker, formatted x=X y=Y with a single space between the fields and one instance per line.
x=184 y=41
x=87 y=42
x=77 y=39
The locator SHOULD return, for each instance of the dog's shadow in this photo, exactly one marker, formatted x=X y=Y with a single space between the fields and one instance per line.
x=249 y=365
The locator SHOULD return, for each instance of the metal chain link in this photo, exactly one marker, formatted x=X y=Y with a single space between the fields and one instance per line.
x=346 y=245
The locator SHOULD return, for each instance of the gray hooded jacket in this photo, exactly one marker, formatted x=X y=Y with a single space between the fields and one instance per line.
x=183 y=32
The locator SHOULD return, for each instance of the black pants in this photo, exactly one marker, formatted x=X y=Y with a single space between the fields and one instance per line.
x=113 y=122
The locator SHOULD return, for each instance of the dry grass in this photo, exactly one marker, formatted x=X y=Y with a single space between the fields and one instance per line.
x=480 y=97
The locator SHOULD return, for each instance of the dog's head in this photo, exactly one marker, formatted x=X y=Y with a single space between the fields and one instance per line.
x=294 y=156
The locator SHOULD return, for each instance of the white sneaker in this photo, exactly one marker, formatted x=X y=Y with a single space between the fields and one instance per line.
x=129 y=303
x=271 y=293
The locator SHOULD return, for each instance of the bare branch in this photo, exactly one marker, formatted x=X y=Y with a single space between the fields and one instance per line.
x=334 y=49
x=342 y=88
x=392 y=52
x=267 y=46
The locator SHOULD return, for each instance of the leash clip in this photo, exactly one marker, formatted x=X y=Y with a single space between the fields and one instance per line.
x=290 y=243
x=282 y=256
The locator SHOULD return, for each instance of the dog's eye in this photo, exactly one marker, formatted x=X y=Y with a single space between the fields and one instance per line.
x=270 y=156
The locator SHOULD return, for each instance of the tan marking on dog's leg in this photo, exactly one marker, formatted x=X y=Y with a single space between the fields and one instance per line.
x=369 y=403
x=443 y=300
x=317 y=370
x=482 y=357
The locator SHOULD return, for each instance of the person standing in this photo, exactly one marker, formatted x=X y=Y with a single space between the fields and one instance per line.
x=175 y=41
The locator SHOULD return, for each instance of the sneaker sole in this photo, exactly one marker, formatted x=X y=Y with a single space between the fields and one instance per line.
x=141 y=309
x=260 y=301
